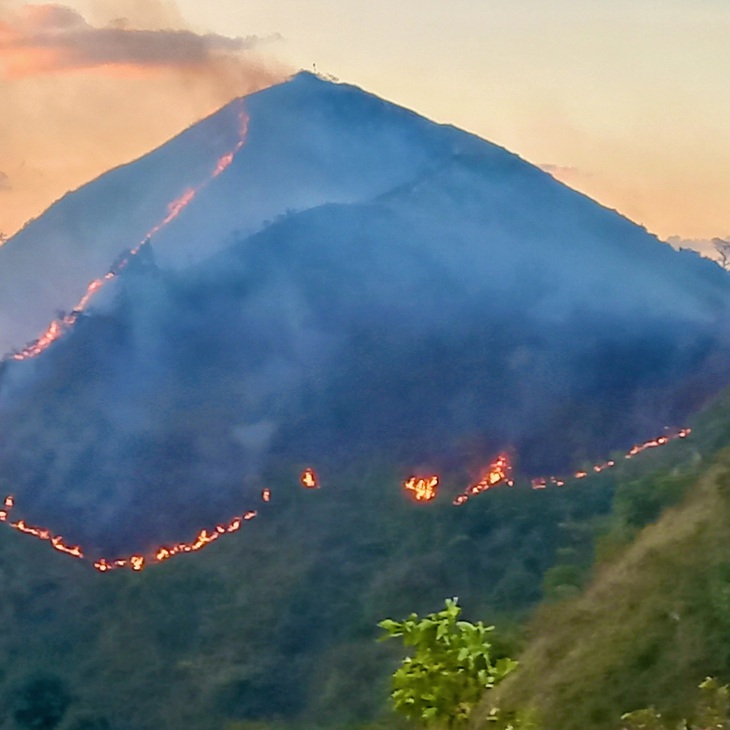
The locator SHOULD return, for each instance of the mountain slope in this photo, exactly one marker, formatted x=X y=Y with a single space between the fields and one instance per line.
x=647 y=630
x=305 y=143
x=428 y=329
x=421 y=297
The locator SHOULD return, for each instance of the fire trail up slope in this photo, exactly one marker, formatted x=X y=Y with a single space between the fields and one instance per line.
x=306 y=142
x=429 y=300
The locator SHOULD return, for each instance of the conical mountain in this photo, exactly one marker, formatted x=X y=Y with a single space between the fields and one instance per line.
x=359 y=284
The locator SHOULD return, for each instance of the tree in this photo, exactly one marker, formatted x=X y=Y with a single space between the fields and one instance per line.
x=723 y=251
x=449 y=669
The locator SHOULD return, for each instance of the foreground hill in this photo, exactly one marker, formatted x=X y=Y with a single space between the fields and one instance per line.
x=652 y=623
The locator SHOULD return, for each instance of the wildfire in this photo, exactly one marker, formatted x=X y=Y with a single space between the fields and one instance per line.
x=543 y=482
x=133 y=562
x=165 y=552
x=498 y=472
x=423 y=489
x=57 y=542
x=309 y=479
x=59 y=326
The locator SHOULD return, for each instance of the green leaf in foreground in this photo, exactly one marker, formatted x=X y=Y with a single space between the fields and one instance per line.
x=449 y=670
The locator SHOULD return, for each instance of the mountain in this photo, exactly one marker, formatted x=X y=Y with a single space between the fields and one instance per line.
x=305 y=143
x=359 y=285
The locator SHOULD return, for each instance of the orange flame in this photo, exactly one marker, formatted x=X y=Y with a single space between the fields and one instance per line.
x=133 y=562
x=59 y=326
x=498 y=472
x=57 y=542
x=541 y=483
x=423 y=489
x=309 y=479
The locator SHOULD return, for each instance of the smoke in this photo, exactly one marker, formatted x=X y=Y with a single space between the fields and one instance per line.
x=4 y=182
x=82 y=93
x=473 y=306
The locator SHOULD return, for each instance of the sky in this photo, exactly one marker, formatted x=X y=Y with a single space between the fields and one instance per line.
x=626 y=101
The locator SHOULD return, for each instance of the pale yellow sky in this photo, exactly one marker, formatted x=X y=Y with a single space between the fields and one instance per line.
x=627 y=99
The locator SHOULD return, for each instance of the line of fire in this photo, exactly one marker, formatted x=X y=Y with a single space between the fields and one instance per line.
x=420 y=488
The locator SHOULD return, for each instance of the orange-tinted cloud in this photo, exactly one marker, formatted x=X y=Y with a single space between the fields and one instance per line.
x=137 y=80
x=49 y=38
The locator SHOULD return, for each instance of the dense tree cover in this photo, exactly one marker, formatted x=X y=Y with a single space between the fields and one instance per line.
x=278 y=622
x=275 y=627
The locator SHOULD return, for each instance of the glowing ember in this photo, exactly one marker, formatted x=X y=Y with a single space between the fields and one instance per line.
x=134 y=562
x=57 y=542
x=423 y=489
x=309 y=479
x=498 y=472
x=541 y=483
x=59 y=326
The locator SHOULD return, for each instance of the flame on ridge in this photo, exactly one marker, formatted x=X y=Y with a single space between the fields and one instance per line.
x=133 y=562
x=423 y=489
x=498 y=472
x=543 y=482
x=59 y=326
x=309 y=479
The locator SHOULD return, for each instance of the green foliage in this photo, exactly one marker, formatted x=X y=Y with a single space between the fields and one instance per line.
x=450 y=668
x=639 y=502
x=711 y=712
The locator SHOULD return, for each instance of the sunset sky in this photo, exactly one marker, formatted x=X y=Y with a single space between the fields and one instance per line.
x=626 y=101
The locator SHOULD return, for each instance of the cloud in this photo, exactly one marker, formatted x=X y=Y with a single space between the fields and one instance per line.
x=50 y=38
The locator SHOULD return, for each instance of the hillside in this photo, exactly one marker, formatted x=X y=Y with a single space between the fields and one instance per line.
x=652 y=622
x=430 y=328
x=364 y=293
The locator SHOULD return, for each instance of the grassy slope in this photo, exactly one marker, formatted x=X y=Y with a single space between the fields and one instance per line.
x=651 y=625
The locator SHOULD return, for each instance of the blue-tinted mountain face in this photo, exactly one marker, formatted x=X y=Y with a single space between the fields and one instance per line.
x=360 y=285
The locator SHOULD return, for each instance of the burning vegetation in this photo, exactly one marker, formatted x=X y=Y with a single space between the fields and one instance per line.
x=60 y=326
x=421 y=489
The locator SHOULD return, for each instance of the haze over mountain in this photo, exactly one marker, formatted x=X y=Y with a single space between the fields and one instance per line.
x=359 y=285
